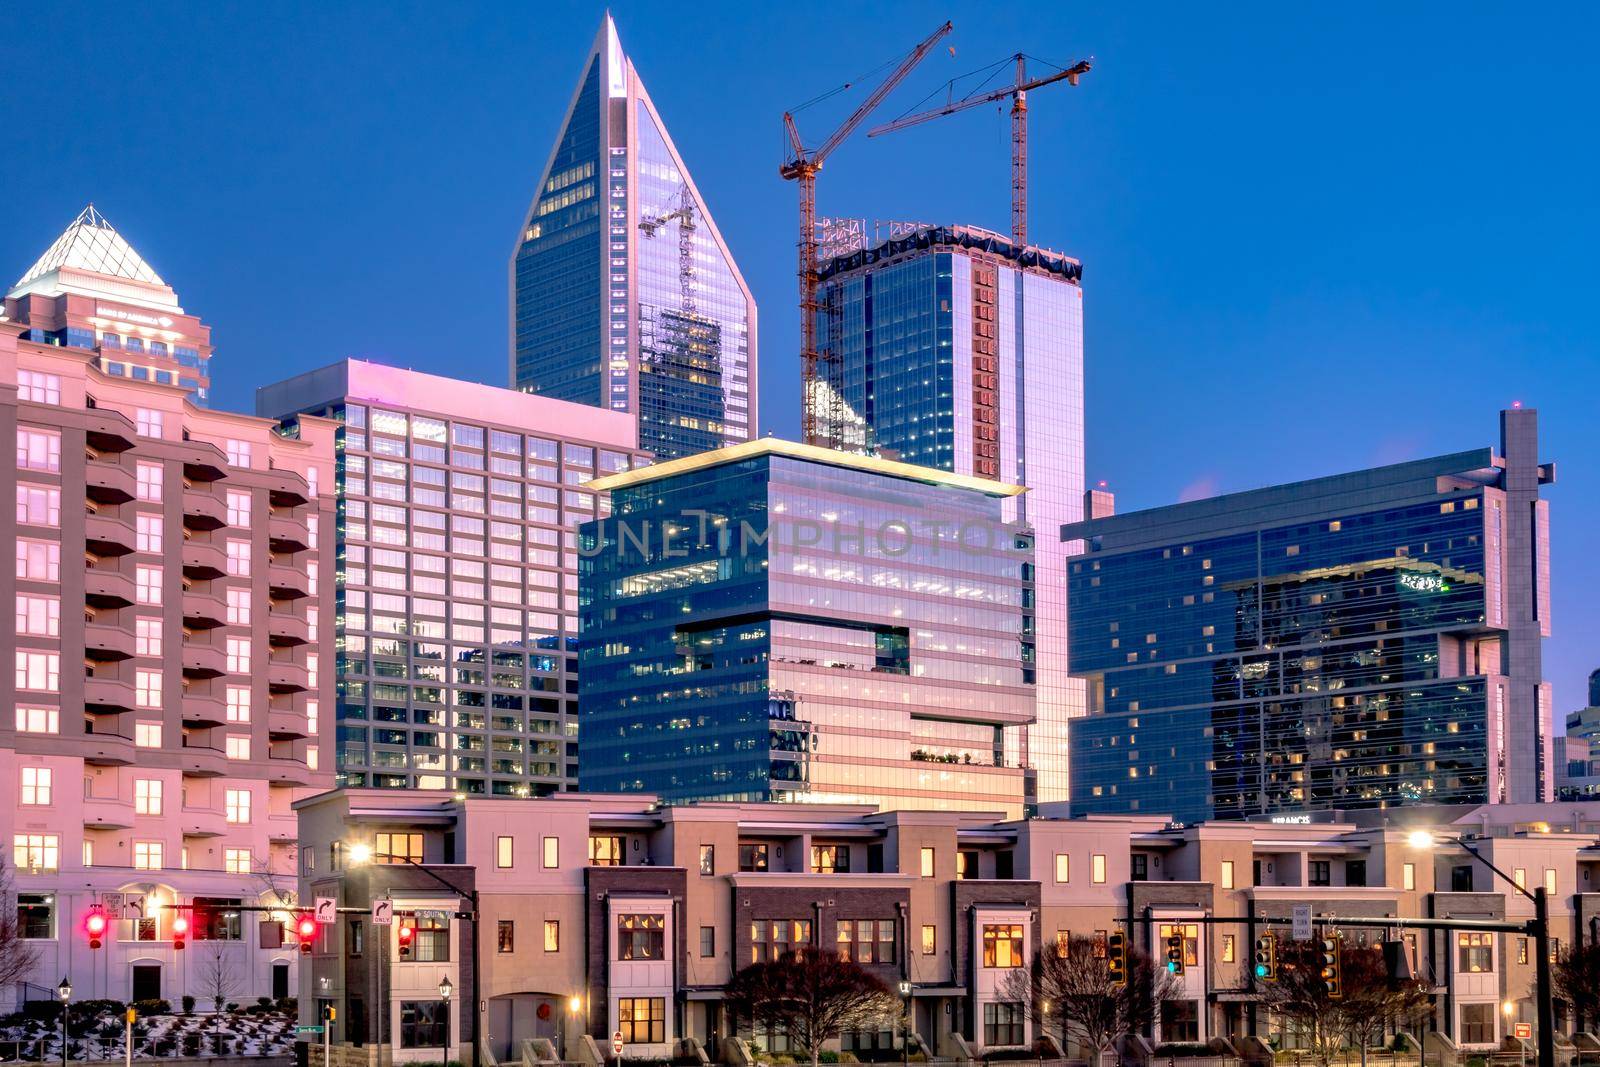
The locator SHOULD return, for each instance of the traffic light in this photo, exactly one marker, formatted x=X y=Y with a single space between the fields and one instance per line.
x=1117 y=959
x=1328 y=956
x=180 y=930
x=406 y=934
x=94 y=927
x=1175 y=950
x=305 y=927
x=1267 y=957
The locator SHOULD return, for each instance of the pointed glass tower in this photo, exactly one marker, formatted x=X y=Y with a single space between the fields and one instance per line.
x=623 y=293
x=91 y=290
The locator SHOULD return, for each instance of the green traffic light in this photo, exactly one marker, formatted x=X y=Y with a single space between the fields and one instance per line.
x=1261 y=970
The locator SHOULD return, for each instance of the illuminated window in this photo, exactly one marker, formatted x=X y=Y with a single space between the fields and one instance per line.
x=930 y=940
x=238 y=704
x=552 y=852
x=147 y=796
x=238 y=453
x=238 y=747
x=36 y=785
x=236 y=860
x=38 y=450
x=502 y=852
x=552 y=935
x=149 y=480
x=147 y=585
x=148 y=422
x=397 y=848
x=927 y=855
x=147 y=734
x=1063 y=868
x=1227 y=874
x=238 y=655
x=238 y=806
x=38 y=720
x=36 y=852
x=38 y=616
x=238 y=607
x=1097 y=868
x=1003 y=945
x=239 y=559
x=147 y=689
x=1408 y=876
x=147 y=855
x=39 y=672
x=239 y=509
x=148 y=537
x=38 y=505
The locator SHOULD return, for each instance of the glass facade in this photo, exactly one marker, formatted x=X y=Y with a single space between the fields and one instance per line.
x=625 y=295
x=1330 y=645
x=961 y=353
x=781 y=627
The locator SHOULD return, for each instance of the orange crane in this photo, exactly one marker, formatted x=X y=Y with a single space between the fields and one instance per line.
x=802 y=167
x=1018 y=91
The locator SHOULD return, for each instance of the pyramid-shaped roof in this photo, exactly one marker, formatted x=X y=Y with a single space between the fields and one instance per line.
x=91 y=244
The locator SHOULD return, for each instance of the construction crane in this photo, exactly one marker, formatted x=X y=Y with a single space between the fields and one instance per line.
x=1018 y=91
x=684 y=213
x=802 y=167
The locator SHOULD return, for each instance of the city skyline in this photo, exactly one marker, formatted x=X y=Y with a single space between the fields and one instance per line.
x=1332 y=212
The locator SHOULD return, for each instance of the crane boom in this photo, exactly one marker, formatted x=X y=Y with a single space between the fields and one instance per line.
x=1018 y=92
x=802 y=169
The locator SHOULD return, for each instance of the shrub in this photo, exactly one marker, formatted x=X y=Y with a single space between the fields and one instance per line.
x=191 y=1044
x=153 y=1007
x=188 y=1004
x=1183 y=1048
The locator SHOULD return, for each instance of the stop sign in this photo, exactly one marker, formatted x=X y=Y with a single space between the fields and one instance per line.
x=616 y=1043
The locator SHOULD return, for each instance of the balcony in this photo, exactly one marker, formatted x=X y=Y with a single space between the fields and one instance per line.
x=203 y=760
x=286 y=489
x=108 y=750
x=203 y=709
x=201 y=611
x=203 y=661
x=287 y=725
x=287 y=535
x=283 y=827
x=203 y=462
x=202 y=822
x=107 y=483
x=107 y=696
x=203 y=562
x=286 y=630
x=108 y=431
x=203 y=511
x=107 y=588
x=287 y=677
x=109 y=643
x=285 y=770
x=107 y=813
x=286 y=583
x=105 y=536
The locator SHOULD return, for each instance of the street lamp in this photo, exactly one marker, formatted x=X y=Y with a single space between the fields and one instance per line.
x=64 y=991
x=1540 y=928
x=445 y=989
x=905 y=1038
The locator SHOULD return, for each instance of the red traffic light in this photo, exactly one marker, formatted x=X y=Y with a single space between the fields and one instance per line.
x=180 y=929
x=306 y=927
x=95 y=926
x=407 y=933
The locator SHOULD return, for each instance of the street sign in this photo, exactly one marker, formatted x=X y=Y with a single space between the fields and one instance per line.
x=1302 y=922
x=383 y=912
x=308 y=1029
x=616 y=1043
x=1524 y=1030
x=327 y=911
x=133 y=907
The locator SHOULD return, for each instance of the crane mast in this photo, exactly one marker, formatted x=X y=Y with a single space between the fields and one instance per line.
x=1018 y=92
x=802 y=168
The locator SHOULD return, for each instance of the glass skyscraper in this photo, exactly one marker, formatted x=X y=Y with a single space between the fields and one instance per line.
x=781 y=621
x=457 y=628
x=960 y=351
x=623 y=293
x=1362 y=641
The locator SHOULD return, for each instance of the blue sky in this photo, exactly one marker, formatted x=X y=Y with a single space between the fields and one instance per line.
x=1313 y=239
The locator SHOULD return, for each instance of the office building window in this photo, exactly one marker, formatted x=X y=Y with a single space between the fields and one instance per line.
x=503 y=852
x=505 y=936
x=1227 y=874
x=641 y=936
x=148 y=533
x=38 y=561
x=39 y=388
x=1408 y=876
x=552 y=853
x=927 y=862
x=552 y=935
x=38 y=505
x=38 y=450
x=38 y=615
x=39 y=672
x=148 y=422
x=1063 y=868
x=147 y=585
x=1002 y=1023
x=148 y=478
x=642 y=1020
x=1097 y=868
x=238 y=709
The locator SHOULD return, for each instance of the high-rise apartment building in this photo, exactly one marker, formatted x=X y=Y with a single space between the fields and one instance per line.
x=173 y=675
x=1368 y=640
x=623 y=293
x=960 y=351
x=91 y=291
x=458 y=643
x=780 y=621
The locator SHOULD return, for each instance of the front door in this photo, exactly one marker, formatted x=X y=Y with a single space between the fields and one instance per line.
x=146 y=981
x=280 y=981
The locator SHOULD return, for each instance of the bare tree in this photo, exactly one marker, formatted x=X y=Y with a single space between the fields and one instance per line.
x=1369 y=1002
x=813 y=998
x=1070 y=988
x=17 y=957
x=1576 y=980
x=218 y=978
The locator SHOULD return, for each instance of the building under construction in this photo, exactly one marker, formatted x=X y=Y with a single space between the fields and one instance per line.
x=957 y=348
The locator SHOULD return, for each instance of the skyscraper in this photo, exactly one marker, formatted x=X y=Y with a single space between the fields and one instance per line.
x=91 y=290
x=1367 y=640
x=780 y=621
x=174 y=592
x=458 y=629
x=960 y=351
x=623 y=293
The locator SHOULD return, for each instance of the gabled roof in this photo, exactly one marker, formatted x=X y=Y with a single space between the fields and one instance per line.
x=91 y=244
